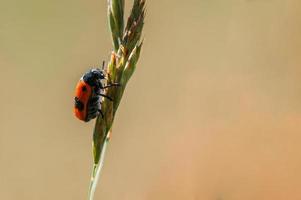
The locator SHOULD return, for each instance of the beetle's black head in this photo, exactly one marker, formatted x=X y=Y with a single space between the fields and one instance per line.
x=94 y=76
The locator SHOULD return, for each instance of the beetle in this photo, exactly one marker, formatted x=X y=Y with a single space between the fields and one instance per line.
x=89 y=94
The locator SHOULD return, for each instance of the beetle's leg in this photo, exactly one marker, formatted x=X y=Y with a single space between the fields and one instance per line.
x=111 y=85
x=101 y=113
x=103 y=95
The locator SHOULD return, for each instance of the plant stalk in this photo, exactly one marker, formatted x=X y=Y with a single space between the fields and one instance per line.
x=97 y=169
x=127 y=45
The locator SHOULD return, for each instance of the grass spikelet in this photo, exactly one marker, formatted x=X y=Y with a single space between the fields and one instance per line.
x=127 y=44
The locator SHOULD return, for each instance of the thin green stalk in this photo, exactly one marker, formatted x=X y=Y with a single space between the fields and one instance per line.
x=96 y=171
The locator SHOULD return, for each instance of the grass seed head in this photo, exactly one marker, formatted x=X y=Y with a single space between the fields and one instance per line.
x=127 y=44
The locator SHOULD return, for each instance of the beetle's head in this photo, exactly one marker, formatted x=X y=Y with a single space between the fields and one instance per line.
x=93 y=76
x=98 y=74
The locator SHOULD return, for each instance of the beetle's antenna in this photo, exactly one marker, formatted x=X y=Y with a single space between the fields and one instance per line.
x=103 y=65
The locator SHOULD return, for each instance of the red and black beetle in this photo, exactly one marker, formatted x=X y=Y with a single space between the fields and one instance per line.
x=89 y=94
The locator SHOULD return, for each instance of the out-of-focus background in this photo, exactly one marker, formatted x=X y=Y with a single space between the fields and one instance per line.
x=213 y=111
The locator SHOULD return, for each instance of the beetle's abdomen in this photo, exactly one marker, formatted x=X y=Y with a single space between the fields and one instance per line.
x=83 y=93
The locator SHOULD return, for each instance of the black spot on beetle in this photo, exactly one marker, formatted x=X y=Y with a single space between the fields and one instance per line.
x=78 y=104
x=84 y=88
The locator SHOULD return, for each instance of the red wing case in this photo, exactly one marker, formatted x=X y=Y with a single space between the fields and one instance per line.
x=83 y=93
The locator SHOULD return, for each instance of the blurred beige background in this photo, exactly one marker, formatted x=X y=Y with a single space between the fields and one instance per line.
x=213 y=111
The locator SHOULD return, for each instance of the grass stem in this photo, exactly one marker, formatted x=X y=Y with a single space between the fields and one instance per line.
x=127 y=45
x=96 y=170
